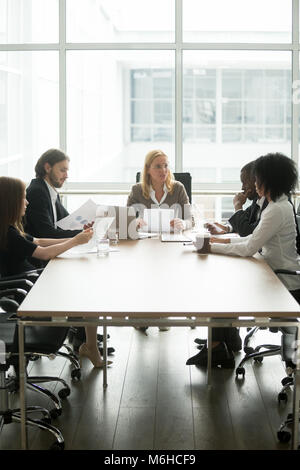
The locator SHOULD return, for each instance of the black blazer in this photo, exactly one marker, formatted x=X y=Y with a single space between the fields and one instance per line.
x=39 y=218
x=245 y=221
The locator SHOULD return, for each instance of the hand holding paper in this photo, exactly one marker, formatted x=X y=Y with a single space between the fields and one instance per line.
x=84 y=236
x=84 y=216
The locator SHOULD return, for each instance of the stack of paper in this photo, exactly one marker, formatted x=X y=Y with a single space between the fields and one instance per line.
x=157 y=220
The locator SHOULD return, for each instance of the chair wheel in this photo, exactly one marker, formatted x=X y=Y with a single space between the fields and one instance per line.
x=248 y=350
x=258 y=359
x=240 y=371
x=55 y=413
x=282 y=396
x=76 y=374
x=46 y=420
x=64 y=393
x=58 y=446
x=287 y=381
x=284 y=436
x=34 y=358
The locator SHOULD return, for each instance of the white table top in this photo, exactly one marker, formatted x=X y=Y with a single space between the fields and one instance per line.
x=148 y=278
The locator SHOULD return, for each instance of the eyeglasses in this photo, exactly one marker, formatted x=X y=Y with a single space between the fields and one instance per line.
x=165 y=166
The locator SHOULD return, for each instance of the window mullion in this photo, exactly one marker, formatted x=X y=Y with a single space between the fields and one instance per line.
x=295 y=78
x=62 y=77
x=178 y=87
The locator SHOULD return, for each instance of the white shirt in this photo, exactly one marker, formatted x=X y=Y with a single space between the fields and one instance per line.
x=152 y=195
x=53 y=196
x=276 y=236
x=185 y=223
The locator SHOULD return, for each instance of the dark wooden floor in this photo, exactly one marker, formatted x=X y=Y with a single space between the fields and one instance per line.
x=154 y=401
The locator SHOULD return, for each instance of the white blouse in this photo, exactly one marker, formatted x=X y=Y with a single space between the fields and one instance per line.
x=276 y=236
x=152 y=195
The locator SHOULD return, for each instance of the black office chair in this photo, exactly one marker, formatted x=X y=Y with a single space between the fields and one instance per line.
x=76 y=337
x=184 y=178
x=288 y=354
x=25 y=281
x=10 y=357
x=41 y=341
x=263 y=350
x=289 y=351
x=286 y=350
x=258 y=353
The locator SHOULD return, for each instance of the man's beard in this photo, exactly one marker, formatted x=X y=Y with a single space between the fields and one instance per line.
x=54 y=182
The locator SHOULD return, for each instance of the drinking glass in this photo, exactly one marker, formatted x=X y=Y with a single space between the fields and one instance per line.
x=102 y=247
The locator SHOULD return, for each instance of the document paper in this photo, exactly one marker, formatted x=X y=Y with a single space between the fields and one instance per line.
x=82 y=216
x=158 y=220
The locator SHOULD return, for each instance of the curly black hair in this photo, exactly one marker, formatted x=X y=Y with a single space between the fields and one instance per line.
x=277 y=173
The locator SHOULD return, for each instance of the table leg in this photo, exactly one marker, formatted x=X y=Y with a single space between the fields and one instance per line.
x=23 y=379
x=296 y=397
x=105 y=356
x=209 y=332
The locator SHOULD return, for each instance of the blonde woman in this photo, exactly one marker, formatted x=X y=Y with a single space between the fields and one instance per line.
x=158 y=189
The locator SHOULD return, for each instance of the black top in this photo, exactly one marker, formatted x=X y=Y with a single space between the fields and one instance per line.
x=245 y=221
x=15 y=258
x=39 y=219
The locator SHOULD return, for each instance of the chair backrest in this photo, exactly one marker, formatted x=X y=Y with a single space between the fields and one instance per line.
x=184 y=178
x=297 y=221
x=298 y=216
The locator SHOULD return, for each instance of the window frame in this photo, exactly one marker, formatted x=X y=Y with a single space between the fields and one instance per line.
x=178 y=47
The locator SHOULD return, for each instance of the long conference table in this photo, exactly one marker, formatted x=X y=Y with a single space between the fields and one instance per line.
x=154 y=283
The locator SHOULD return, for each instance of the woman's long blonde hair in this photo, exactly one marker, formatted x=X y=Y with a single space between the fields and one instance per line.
x=11 y=203
x=146 y=180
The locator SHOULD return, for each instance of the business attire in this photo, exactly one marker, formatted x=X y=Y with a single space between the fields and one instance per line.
x=242 y=222
x=275 y=238
x=16 y=257
x=44 y=210
x=177 y=200
x=245 y=221
x=42 y=213
x=275 y=235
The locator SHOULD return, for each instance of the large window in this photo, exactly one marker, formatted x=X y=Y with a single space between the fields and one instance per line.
x=152 y=105
x=29 y=109
x=119 y=21
x=210 y=83
x=236 y=21
x=120 y=104
x=235 y=109
x=29 y=21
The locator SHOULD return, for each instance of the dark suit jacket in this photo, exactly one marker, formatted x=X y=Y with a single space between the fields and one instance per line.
x=39 y=218
x=244 y=222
